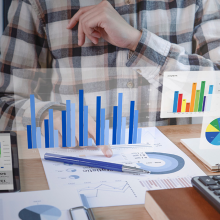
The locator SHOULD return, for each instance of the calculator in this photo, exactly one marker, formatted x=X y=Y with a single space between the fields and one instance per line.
x=209 y=187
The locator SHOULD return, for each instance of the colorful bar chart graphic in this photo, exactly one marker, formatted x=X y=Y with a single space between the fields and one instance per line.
x=51 y=139
x=199 y=102
x=189 y=93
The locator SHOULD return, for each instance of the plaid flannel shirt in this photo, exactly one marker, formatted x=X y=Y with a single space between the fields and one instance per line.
x=177 y=35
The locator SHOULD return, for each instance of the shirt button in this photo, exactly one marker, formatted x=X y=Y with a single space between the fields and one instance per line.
x=130 y=84
x=138 y=71
x=127 y=2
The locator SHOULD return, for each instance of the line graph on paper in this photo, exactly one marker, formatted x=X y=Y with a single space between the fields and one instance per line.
x=106 y=189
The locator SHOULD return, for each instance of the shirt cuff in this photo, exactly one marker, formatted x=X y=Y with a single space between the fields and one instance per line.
x=150 y=54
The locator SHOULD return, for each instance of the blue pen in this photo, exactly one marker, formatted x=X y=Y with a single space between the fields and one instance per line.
x=93 y=163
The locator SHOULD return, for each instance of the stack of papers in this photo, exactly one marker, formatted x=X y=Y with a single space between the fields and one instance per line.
x=169 y=166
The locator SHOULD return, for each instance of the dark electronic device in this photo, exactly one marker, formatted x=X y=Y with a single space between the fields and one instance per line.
x=9 y=165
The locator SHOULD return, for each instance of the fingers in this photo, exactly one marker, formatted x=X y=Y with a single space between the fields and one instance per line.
x=96 y=34
x=60 y=140
x=90 y=21
x=106 y=150
x=75 y=19
x=81 y=35
x=85 y=29
x=77 y=128
x=84 y=16
x=92 y=128
x=91 y=131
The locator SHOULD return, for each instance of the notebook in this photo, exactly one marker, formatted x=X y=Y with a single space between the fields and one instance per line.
x=210 y=157
x=62 y=204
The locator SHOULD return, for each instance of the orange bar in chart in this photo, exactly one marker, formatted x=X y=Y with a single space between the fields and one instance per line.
x=187 y=107
x=193 y=97
x=183 y=109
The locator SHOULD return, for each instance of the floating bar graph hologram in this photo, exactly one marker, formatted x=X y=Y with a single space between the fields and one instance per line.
x=52 y=136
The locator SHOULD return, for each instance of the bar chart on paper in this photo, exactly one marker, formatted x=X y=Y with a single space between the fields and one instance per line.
x=188 y=94
x=51 y=136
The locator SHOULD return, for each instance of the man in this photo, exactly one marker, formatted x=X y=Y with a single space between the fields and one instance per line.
x=148 y=36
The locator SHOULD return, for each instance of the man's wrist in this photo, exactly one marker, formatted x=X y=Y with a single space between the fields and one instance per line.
x=135 y=40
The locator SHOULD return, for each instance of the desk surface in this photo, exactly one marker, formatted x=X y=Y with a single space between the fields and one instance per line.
x=33 y=177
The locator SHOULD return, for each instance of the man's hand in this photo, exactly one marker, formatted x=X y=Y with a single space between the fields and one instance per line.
x=57 y=121
x=103 y=20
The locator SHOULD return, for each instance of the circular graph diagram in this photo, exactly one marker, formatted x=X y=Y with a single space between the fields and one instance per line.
x=71 y=170
x=74 y=177
x=67 y=164
x=171 y=163
x=40 y=212
x=212 y=133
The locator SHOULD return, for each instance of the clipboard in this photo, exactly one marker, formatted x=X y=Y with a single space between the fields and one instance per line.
x=85 y=207
x=88 y=211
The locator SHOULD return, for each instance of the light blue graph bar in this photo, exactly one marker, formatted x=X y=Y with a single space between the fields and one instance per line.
x=139 y=135
x=85 y=127
x=68 y=124
x=208 y=103
x=38 y=137
x=135 y=127
x=123 y=129
x=33 y=122
x=102 y=126
x=106 y=132
x=73 y=125
x=209 y=99
x=90 y=142
x=56 y=138
x=120 y=98
x=51 y=128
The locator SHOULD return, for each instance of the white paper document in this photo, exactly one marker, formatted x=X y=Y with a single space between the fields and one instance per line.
x=169 y=166
x=47 y=205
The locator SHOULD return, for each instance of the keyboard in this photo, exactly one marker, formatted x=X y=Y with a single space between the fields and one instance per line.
x=209 y=187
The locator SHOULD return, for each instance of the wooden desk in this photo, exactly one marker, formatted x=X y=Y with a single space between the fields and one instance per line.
x=33 y=177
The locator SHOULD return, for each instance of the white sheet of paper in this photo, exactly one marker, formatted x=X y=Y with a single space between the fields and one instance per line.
x=48 y=205
x=107 y=188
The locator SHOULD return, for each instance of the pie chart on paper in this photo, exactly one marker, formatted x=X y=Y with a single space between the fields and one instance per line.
x=40 y=212
x=212 y=133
